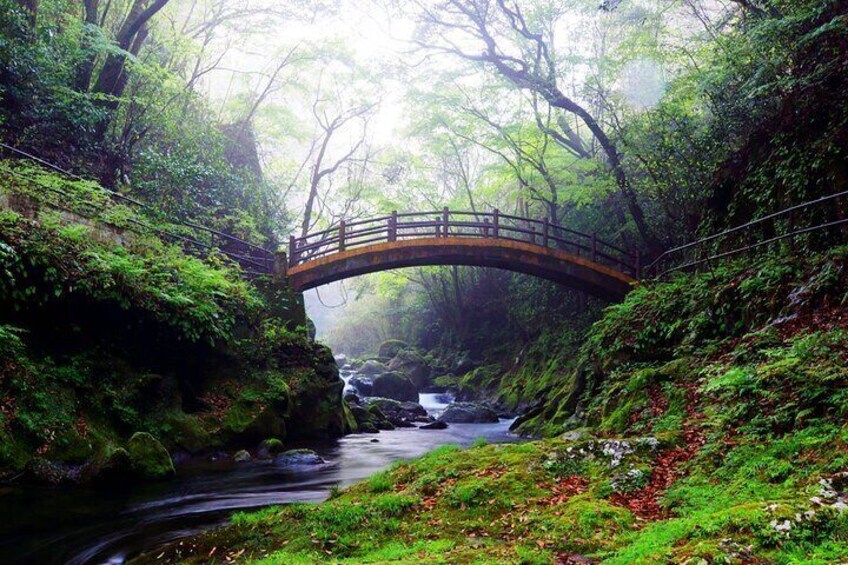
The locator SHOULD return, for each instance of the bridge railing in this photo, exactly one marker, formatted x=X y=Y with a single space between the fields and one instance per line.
x=816 y=224
x=453 y=224
x=194 y=238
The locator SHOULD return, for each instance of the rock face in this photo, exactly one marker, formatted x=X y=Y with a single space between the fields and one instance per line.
x=149 y=458
x=395 y=386
x=413 y=365
x=468 y=413
x=363 y=385
x=316 y=398
x=371 y=368
x=299 y=458
x=400 y=414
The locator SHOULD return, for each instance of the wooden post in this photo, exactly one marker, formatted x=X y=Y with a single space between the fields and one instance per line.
x=438 y=231
x=292 y=251
x=496 y=223
x=280 y=267
x=594 y=247
x=546 y=225
x=446 y=218
x=486 y=227
x=533 y=235
x=341 y=235
x=393 y=226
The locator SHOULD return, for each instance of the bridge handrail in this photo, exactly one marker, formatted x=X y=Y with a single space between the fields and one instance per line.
x=460 y=224
x=711 y=245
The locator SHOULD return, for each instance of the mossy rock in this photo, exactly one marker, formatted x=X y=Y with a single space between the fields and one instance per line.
x=269 y=447
x=351 y=427
x=395 y=386
x=390 y=348
x=149 y=458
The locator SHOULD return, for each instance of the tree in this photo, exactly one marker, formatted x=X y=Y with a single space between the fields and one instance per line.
x=523 y=56
x=113 y=77
x=323 y=165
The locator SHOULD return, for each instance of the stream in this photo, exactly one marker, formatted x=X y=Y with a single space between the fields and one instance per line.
x=96 y=525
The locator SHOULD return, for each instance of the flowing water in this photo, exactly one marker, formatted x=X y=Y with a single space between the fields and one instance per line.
x=90 y=525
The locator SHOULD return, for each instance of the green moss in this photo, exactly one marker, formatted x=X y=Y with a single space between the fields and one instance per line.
x=148 y=457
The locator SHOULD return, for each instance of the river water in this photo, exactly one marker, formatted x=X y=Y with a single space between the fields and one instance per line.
x=90 y=525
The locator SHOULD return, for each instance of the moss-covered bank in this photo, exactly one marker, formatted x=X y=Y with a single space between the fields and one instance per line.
x=707 y=421
x=106 y=331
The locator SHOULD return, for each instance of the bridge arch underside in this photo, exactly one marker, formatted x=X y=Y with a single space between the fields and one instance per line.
x=551 y=264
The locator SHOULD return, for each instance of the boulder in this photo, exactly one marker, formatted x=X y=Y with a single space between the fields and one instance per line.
x=363 y=385
x=299 y=458
x=350 y=425
x=413 y=365
x=341 y=360
x=400 y=414
x=269 y=447
x=468 y=413
x=149 y=458
x=241 y=456
x=395 y=386
x=114 y=465
x=371 y=368
x=390 y=348
x=379 y=419
x=366 y=421
x=437 y=425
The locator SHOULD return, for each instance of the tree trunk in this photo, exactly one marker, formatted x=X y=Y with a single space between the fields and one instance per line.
x=655 y=246
x=113 y=79
x=82 y=81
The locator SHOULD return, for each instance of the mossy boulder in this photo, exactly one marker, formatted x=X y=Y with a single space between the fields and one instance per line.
x=395 y=386
x=351 y=427
x=269 y=447
x=390 y=348
x=400 y=414
x=468 y=413
x=299 y=458
x=414 y=366
x=316 y=393
x=149 y=458
x=371 y=368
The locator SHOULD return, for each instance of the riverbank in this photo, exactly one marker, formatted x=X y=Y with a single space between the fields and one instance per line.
x=120 y=349
x=704 y=422
x=109 y=525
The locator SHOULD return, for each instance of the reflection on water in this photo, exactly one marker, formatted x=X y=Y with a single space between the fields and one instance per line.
x=88 y=525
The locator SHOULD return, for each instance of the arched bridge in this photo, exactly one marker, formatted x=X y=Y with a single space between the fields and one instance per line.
x=525 y=245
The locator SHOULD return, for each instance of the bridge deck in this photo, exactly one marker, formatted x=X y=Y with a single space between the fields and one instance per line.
x=552 y=264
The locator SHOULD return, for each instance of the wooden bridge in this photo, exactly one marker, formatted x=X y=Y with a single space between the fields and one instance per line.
x=492 y=239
